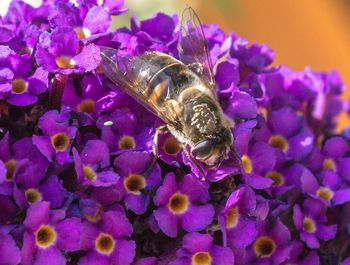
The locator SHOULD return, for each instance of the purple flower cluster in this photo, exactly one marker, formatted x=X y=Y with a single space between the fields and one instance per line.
x=74 y=149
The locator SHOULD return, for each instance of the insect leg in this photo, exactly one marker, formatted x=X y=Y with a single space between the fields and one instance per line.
x=193 y=161
x=160 y=129
x=235 y=154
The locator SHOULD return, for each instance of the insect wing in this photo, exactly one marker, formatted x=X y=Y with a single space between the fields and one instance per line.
x=116 y=67
x=192 y=45
x=123 y=70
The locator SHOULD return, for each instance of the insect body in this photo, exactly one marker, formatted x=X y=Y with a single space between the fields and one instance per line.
x=180 y=92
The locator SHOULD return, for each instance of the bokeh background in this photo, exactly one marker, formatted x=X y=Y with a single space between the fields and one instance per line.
x=313 y=33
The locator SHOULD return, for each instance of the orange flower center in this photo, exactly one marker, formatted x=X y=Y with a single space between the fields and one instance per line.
x=278 y=179
x=19 y=86
x=134 y=184
x=32 y=195
x=45 y=236
x=278 y=141
x=201 y=258
x=171 y=146
x=60 y=141
x=126 y=142
x=247 y=164
x=264 y=246
x=86 y=105
x=178 y=203
x=104 y=244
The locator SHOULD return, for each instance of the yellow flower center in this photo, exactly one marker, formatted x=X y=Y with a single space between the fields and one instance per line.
x=32 y=195
x=126 y=142
x=65 y=62
x=10 y=169
x=82 y=33
x=19 y=86
x=104 y=244
x=264 y=246
x=232 y=218
x=45 y=236
x=309 y=225
x=201 y=258
x=325 y=193
x=178 y=203
x=171 y=146
x=278 y=141
x=247 y=164
x=86 y=105
x=134 y=184
x=89 y=173
x=328 y=164
x=60 y=141
x=278 y=179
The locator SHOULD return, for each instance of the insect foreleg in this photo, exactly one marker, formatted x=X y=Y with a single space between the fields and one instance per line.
x=193 y=161
x=160 y=129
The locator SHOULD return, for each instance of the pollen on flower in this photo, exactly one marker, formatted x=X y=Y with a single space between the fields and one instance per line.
x=10 y=169
x=89 y=173
x=329 y=164
x=247 y=164
x=134 y=184
x=309 y=225
x=18 y=86
x=325 y=193
x=232 y=217
x=33 y=195
x=86 y=105
x=104 y=244
x=126 y=142
x=65 y=62
x=60 y=141
x=201 y=258
x=278 y=179
x=45 y=236
x=264 y=246
x=278 y=141
x=171 y=146
x=178 y=203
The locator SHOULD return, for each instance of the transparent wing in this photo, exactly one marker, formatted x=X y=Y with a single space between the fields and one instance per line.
x=124 y=70
x=193 y=47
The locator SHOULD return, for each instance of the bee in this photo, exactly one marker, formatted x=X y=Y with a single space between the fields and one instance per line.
x=181 y=92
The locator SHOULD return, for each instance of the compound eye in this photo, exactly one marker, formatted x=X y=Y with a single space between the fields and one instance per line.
x=203 y=149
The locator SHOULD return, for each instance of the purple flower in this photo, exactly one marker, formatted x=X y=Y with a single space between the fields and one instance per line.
x=51 y=190
x=48 y=232
x=85 y=96
x=238 y=216
x=59 y=51
x=272 y=245
x=135 y=187
x=96 y=20
x=200 y=249
x=256 y=162
x=18 y=85
x=55 y=142
x=311 y=222
x=183 y=203
x=121 y=132
x=93 y=165
x=105 y=241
